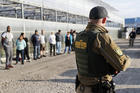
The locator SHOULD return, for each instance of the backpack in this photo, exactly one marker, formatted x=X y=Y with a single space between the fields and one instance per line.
x=2 y=39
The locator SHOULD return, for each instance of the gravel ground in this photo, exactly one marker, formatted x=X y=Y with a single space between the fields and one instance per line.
x=47 y=75
x=57 y=74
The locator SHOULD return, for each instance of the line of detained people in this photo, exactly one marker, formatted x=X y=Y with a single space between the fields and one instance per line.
x=39 y=44
x=55 y=41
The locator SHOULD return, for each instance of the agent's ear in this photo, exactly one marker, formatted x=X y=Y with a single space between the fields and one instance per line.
x=104 y=20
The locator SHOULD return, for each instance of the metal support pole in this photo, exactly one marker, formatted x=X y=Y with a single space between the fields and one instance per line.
x=68 y=22
x=16 y=15
x=76 y=19
x=41 y=13
x=82 y=20
x=67 y=17
x=56 y=15
x=22 y=16
x=22 y=11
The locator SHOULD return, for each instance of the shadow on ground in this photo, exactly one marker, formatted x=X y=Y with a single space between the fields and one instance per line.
x=128 y=90
x=132 y=53
x=130 y=77
x=62 y=80
x=69 y=73
x=125 y=44
x=51 y=80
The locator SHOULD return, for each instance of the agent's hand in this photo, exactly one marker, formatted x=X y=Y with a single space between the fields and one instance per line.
x=116 y=73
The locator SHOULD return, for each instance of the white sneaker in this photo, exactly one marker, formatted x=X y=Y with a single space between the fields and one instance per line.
x=29 y=60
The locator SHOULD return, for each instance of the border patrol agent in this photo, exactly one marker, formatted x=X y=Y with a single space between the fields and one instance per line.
x=98 y=58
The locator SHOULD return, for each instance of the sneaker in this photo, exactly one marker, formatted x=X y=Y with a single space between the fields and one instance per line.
x=10 y=66
x=16 y=63
x=41 y=56
x=29 y=60
x=35 y=58
x=38 y=58
x=44 y=55
x=57 y=54
x=7 y=68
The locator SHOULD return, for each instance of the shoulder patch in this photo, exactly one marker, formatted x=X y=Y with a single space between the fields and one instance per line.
x=80 y=44
x=118 y=51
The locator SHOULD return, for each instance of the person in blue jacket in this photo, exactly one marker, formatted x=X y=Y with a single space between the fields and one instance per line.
x=68 y=42
x=20 y=46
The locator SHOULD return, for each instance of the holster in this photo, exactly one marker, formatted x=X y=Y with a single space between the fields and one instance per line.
x=104 y=87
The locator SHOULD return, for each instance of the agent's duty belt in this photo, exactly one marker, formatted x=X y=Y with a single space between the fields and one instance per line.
x=90 y=81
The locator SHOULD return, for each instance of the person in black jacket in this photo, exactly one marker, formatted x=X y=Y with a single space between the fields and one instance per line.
x=36 y=44
x=59 y=39
x=26 y=50
x=132 y=36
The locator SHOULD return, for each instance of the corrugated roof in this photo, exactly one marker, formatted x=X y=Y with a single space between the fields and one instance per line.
x=73 y=6
x=79 y=7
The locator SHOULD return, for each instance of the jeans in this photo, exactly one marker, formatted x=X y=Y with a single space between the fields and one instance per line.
x=36 y=52
x=131 y=42
x=17 y=55
x=58 y=47
x=67 y=47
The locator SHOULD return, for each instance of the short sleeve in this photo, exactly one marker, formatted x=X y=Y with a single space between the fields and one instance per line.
x=3 y=35
x=12 y=36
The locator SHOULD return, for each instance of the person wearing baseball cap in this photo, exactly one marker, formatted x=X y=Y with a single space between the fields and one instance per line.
x=98 y=58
